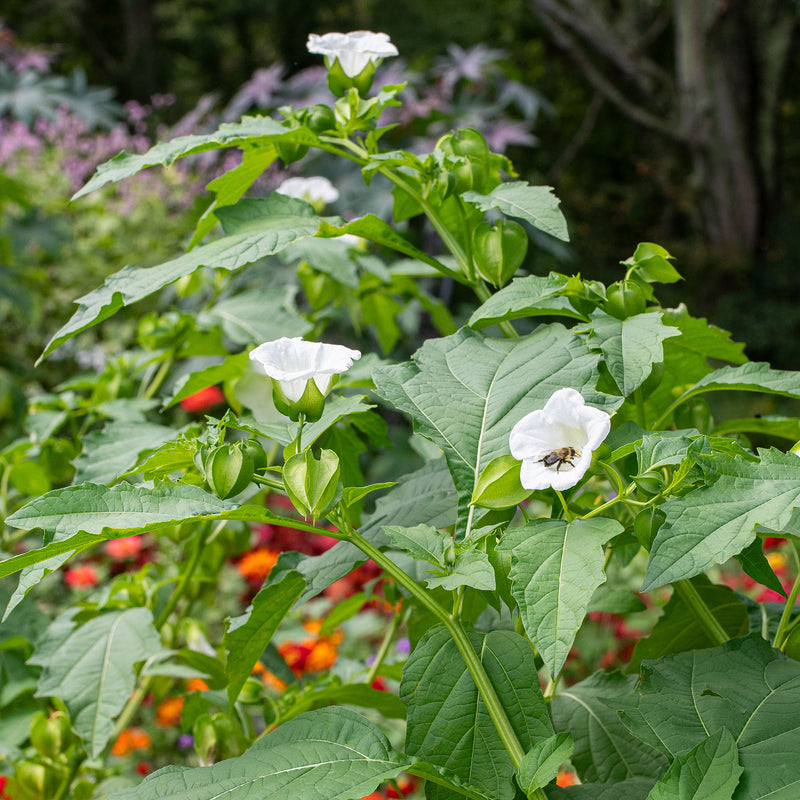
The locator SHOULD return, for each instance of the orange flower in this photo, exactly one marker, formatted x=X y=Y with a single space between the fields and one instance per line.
x=256 y=565
x=566 y=778
x=129 y=740
x=84 y=576
x=777 y=561
x=196 y=685
x=272 y=681
x=123 y=548
x=168 y=714
x=322 y=655
x=311 y=655
x=204 y=399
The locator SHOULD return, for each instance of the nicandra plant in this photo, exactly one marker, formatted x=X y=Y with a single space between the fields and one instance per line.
x=571 y=450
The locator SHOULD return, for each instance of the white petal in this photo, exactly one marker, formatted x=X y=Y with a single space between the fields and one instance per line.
x=311 y=189
x=531 y=435
x=293 y=359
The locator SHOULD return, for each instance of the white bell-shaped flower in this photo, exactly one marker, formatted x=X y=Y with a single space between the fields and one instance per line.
x=302 y=372
x=555 y=443
x=354 y=50
x=316 y=190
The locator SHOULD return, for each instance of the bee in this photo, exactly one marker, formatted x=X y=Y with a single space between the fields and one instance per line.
x=563 y=455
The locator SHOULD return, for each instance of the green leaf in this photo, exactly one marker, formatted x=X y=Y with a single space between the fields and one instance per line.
x=615 y=601
x=248 y=131
x=651 y=264
x=465 y=392
x=448 y=724
x=92 y=508
x=255 y=317
x=744 y=686
x=79 y=517
x=472 y=568
x=630 y=789
x=709 y=771
x=536 y=205
x=678 y=629
x=247 y=635
x=422 y=541
x=768 y=425
x=540 y=764
x=755 y=376
x=630 y=347
x=756 y=565
x=192 y=382
x=331 y=256
x=605 y=751
x=354 y=694
x=531 y=296
x=255 y=228
x=376 y=230
x=330 y=754
x=91 y=668
x=31 y=576
x=714 y=523
x=555 y=568
x=109 y=452
x=230 y=186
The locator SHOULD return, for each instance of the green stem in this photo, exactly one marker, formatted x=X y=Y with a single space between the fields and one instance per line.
x=75 y=764
x=398 y=619
x=689 y=594
x=564 y=506
x=158 y=379
x=473 y=663
x=783 y=626
x=139 y=694
x=186 y=575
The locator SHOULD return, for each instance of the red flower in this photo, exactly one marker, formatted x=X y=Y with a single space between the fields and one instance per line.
x=120 y=549
x=203 y=400
x=84 y=576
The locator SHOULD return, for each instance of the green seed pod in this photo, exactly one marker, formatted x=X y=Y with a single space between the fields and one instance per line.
x=625 y=299
x=228 y=470
x=252 y=692
x=498 y=484
x=314 y=486
x=499 y=250
x=320 y=119
x=290 y=152
x=646 y=525
x=35 y=781
x=255 y=450
x=51 y=735
x=468 y=143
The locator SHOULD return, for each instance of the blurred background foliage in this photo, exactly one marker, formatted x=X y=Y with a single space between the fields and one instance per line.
x=672 y=121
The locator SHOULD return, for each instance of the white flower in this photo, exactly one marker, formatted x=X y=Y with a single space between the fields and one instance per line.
x=302 y=372
x=555 y=443
x=354 y=50
x=313 y=190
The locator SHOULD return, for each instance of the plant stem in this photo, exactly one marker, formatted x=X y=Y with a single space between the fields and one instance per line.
x=399 y=618
x=474 y=665
x=783 y=625
x=158 y=379
x=183 y=581
x=689 y=594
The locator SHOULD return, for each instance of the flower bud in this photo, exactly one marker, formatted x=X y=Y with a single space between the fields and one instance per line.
x=498 y=484
x=314 y=486
x=251 y=692
x=646 y=525
x=499 y=250
x=228 y=470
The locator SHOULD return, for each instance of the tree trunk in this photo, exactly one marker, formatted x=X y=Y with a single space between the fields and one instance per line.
x=720 y=105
